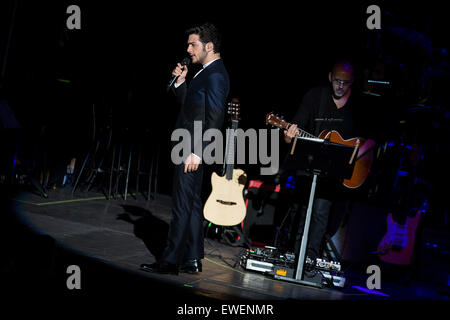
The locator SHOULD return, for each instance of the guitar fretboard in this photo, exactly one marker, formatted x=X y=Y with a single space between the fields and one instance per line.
x=231 y=146
x=283 y=124
x=304 y=134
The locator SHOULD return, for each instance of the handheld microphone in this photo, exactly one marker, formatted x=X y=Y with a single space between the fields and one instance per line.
x=186 y=61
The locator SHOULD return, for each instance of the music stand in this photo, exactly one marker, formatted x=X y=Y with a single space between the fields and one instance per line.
x=316 y=157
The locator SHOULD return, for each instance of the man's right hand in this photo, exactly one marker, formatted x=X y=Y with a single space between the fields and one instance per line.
x=180 y=72
x=290 y=133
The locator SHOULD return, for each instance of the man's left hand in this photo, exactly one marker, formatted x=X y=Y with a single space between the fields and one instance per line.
x=192 y=163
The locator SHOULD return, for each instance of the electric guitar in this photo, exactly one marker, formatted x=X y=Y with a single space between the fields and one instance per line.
x=397 y=245
x=364 y=157
x=225 y=205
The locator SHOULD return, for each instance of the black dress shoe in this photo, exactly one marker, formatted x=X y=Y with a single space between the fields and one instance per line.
x=161 y=268
x=191 y=266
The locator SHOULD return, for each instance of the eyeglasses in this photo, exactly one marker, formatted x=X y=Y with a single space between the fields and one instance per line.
x=343 y=83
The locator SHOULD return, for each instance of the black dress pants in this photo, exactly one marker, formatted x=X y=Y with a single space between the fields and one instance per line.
x=185 y=239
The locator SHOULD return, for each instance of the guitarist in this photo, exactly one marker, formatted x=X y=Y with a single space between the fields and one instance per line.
x=202 y=100
x=326 y=107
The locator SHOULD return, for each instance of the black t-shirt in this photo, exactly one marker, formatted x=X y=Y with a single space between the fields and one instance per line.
x=314 y=117
x=318 y=104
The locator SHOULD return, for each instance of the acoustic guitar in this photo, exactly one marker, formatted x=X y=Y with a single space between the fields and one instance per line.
x=225 y=205
x=363 y=147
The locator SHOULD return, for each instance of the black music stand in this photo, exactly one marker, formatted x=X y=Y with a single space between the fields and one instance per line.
x=316 y=157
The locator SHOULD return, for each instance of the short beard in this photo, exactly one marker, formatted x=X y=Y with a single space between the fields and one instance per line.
x=337 y=97
x=204 y=57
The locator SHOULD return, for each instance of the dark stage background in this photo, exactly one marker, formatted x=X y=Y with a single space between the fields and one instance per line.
x=61 y=84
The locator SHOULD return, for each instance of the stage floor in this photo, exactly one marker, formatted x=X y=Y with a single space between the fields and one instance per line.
x=117 y=234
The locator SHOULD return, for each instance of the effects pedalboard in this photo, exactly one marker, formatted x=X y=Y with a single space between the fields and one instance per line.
x=270 y=261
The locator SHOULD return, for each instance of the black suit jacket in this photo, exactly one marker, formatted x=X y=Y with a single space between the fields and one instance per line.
x=203 y=100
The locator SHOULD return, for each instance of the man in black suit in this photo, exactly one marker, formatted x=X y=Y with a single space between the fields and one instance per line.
x=202 y=100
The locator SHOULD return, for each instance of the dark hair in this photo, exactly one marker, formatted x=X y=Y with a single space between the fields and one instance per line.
x=207 y=32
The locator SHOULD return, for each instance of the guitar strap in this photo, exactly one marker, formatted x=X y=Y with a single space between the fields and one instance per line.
x=321 y=113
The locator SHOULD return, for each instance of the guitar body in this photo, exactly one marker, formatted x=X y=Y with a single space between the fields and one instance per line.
x=364 y=158
x=397 y=245
x=225 y=205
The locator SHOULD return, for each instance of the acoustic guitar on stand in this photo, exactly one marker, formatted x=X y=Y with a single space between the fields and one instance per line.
x=225 y=205
x=363 y=154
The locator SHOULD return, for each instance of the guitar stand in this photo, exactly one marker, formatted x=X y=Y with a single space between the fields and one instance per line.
x=316 y=157
x=236 y=237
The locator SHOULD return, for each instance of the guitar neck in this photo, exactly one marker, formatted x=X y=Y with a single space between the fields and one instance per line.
x=302 y=133
x=231 y=147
